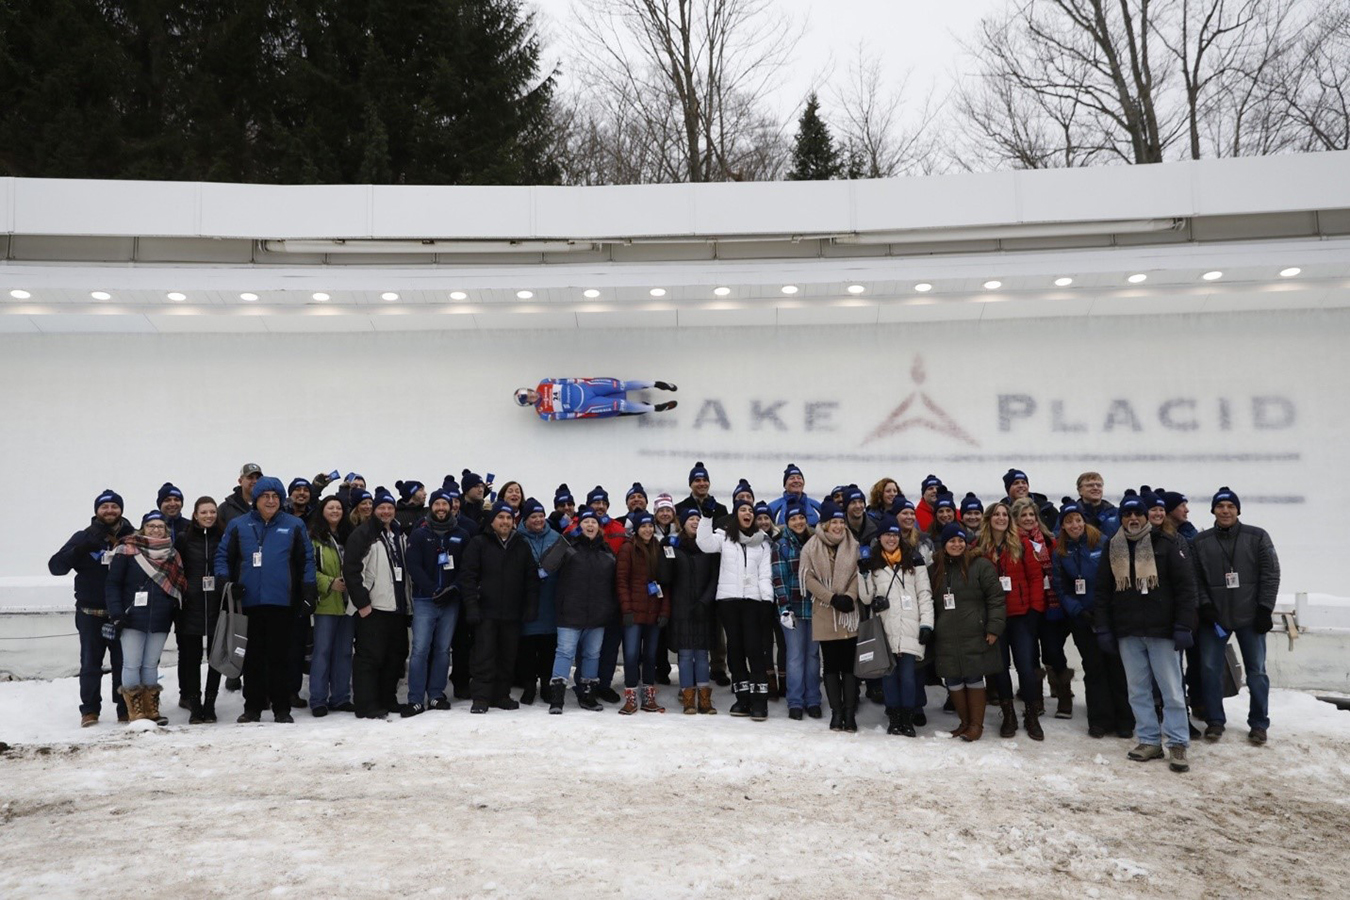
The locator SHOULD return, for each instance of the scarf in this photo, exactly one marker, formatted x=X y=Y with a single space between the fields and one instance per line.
x=158 y=560
x=893 y=559
x=835 y=563
x=1145 y=566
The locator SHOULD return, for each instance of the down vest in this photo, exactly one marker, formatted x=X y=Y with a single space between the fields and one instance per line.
x=911 y=604
x=745 y=570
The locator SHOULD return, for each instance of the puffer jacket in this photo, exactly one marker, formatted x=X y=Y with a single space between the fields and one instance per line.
x=125 y=578
x=500 y=580
x=197 y=549
x=584 y=568
x=1028 y=585
x=1079 y=561
x=632 y=579
x=1257 y=567
x=1043 y=550
x=745 y=570
x=371 y=568
x=693 y=584
x=286 y=576
x=960 y=647
x=911 y=603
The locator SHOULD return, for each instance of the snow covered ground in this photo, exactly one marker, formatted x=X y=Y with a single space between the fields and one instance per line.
x=586 y=804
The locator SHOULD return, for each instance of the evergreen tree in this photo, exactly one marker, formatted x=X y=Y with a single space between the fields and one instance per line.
x=814 y=155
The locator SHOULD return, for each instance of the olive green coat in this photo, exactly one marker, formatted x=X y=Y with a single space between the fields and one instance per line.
x=959 y=634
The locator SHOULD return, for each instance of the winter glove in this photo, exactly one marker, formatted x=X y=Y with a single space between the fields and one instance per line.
x=842 y=602
x=448 y=596
x=109 y=631
x=320 y=482
x=309 y=597
x=787 y=619
x=1182 y=638
x=925 y=635
x=1084 y=618
x=1106 y=642
x=1263 y=621
x=880 y=604
x=870 y=563
x=673 y=540
x=628 y=620
x=661 y=621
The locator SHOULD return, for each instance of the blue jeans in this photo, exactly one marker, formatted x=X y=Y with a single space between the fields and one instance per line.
x=899 y=686
x=93 y=646
x=1148 y=660
x=140 y=656
x=639 y=653
x=694 y=668
x=578 y=641
x=330 y=668
x=803 y=666
x=432 y=629
x=1252 y=646
x=1019 y=640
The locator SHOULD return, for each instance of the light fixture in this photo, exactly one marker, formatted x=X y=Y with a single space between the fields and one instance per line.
x=993 y=285
x=1063 y=282
x=321 y=297
x=923 y=287
x=458 y=295
x=722 y=291
x=20 y=295
x=1290 y=272
x=590 y=293
x=524 y=295
x=248 y=298
x=177 y=296
x=1138 y=278
x=657 y=292
x=389 y=295
x=1212 y=276
x=790 y=289
x=856 y=288
x=100 y=295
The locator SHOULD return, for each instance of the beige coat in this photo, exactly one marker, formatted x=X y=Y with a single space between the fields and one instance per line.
x=824 y=576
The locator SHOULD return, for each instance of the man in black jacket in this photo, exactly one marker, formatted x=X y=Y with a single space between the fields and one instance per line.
x=240 y=501
x=88 y=553
x=1145 y=600
x=699 y=497
x=1238 y=575
x=500 y=589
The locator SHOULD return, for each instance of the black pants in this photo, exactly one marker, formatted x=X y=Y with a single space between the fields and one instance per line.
x=534 y=658
x=663 y=654
x=461 y=656
x=302 y=645
x=773 y=634
x=381 y=653
x=190 y=666
x=495 y=644
x=746 y=656
x=838 y=656
x=267 y=659
x=1104 y=686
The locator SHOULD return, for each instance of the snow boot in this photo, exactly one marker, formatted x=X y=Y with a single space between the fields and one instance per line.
x=920 y=717
x=1032 y=723
x=705 y=705
x=557 y=692
x=195 y=716
x=630 y=702
x=132 y=696
x=1065 y=696
x=1040 y=692
x=209 y=709
x=759 y=702
x=719 y=677
x=607 y=693
x=527 y=695
x=906 y=717
x=150 y=704
x=1008 y=728
x=950 y=704
x=586 y=698
x=506 y=703
x=850 y=703
x=834 y=693
x=689 y=701
x=962 y=704
x=649 y=703
x=976 y=701
x=741 y=708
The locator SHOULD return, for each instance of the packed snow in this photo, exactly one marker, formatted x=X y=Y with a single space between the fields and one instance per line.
x=595 y=804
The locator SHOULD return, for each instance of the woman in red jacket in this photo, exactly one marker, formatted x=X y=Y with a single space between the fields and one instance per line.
x=642 y=578
x=1054 y=629
x=1019 y=574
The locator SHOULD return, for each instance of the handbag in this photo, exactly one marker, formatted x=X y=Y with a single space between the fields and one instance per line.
x=1232 y=672
x=231 y=638
x=874 y=658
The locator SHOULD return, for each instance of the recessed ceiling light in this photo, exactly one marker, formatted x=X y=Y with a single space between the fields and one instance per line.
x=923 y=287
x=657 y=292
x=20 y=295
x=247 y=297
x=1138 y=278
x=389 y=295
x=321 y=297
x=722 y=291
x=1290 y=272
x=1212 y=276
x=177 y=296
x=856 y=288
x=1063 y=282
x=590 y=293
x=992 y=285
x=790 y=289
x=100 y=295
x=458 y=295
x=524 y=295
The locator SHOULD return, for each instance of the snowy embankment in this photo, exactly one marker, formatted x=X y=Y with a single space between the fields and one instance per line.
x=595 y=804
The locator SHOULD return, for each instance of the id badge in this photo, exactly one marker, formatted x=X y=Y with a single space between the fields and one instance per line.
x=542 y=573
x=1045 y=582
x=1005 y=582
x=142 y=598
x=398 y=573
x=949 y=600
x=446 y=560
x=257 y=559
x=906 y=602
x=106 y=558
x=1230 y=579
x=670 y=552
x=1080 y=585
x=208 y=582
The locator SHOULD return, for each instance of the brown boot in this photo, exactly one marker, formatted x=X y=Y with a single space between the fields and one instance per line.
x=1008 y=728
x=689 y=701
x=962 y=704
x=150 y=704
x=1065 y=696
x=1032 y=723
x=630 y=702
x=1040 y=692
x=132 y=696
x=975 y=703
x=649 y=703
x=705 y=701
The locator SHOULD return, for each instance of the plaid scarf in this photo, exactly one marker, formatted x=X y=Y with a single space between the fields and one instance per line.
x=158 y=560
x=1145 y=566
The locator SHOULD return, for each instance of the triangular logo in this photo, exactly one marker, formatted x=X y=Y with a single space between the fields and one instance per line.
x=935 y=419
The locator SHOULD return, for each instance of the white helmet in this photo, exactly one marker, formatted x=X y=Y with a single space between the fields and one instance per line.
x=523 y=397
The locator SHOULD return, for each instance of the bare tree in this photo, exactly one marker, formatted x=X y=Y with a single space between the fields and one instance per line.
x=879 y=141
x=1316 y=83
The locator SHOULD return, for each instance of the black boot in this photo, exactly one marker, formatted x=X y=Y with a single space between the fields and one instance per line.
x=893 y=717
x=850 y=703
x=527 y=695
x=195 y=717
x=586 y=697
x=557 y=691
x=209 y=709
x=834 y=693
x=759 y=704
x=743 y=706
x=906 y=717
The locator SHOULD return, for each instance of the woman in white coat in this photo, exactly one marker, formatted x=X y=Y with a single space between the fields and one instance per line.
x=744 y=585
x=898 y=591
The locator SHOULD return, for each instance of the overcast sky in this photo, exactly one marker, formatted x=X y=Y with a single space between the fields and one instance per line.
x=920 y=36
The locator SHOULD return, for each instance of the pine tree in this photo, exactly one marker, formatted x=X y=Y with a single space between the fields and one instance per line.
x=814 y=155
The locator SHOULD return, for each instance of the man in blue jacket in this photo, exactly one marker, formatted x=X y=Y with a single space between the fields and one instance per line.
x=89 y=553
x=266 y=557
x=435 y=556
x=794 y=494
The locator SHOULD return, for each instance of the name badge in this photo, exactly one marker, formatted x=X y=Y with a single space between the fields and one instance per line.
x=208 y=582
x=906 y=601
x=1005 y=582
x=670 y=552
x=1080 y=586
x=447 y=561
x=142 y=598
x=106 y=558
x=398 y=573
x=257 y=559
x=542 y=574
x=949 y=600
x=1045 y=582
x=1230 y=579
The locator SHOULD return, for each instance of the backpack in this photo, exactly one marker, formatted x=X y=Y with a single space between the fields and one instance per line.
x=231 y=639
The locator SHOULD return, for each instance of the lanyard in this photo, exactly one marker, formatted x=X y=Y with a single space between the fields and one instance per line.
x=391 y=550
x=1229 y=557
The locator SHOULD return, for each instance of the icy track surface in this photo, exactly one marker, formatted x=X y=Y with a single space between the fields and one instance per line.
x=524 y=804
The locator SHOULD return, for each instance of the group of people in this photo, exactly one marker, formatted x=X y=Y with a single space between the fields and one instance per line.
x=360 y=587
